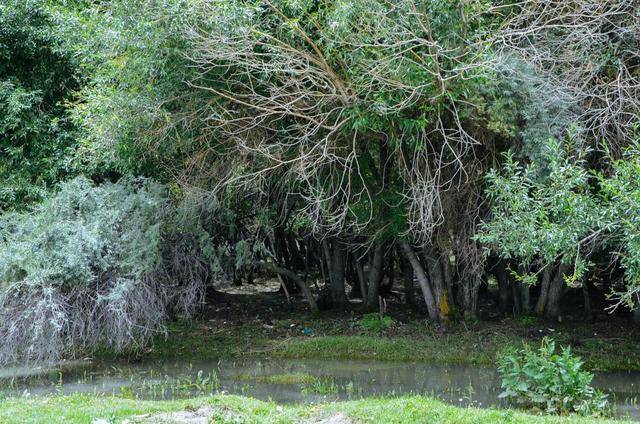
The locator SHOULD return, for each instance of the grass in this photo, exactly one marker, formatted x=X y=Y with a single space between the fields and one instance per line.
x=371 y=347
x=198 y=341
x=84 y=409
x=602 y=348
x=291 y=378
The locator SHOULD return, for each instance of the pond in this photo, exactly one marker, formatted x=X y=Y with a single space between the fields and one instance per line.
x=290 y=381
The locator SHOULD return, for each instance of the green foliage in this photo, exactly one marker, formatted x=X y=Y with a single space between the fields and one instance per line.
x=417 y=341
x=555 y=210
x=38 y=74
x=620 y=192
x=550 y=380
x=290 y=378
x=213 y=231
x=523 y=107
x=375 y=323
x=565 y=209
x=370 y=71
x=174 y=387
x=134 y=56
x=365 y=120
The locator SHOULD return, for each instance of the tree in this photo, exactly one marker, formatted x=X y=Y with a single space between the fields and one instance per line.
x=38 y=75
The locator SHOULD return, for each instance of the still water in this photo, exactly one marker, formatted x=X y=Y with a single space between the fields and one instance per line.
x=289 y=381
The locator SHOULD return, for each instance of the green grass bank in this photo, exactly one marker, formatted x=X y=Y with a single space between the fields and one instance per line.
x=87 y=409
x=603 y=346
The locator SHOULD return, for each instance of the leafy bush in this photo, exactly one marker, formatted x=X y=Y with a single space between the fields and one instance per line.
x=38 y=74
x=376 y=323
x=85 y=270
x=566 y=210
x=135 y=58
x=553 y=381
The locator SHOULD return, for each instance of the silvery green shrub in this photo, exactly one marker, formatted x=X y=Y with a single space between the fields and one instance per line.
x=85 y=270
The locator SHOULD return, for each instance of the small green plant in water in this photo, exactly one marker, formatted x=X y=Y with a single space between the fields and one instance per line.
x=174 y=387
x=549 y=380
x=321 y=387
x=352 y=390
x=376 y=323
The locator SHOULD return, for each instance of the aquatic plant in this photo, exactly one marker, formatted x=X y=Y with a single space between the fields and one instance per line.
x=173 y=387
x=549 y=380
x=321 y=386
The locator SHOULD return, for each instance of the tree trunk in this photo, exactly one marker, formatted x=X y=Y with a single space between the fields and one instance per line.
x=587 y=301
x=361 y=279
x=407 y=279
x=375 y=275
x=336 y=260
x=544 y=289
x=525 y=298
x=281 y=256
x=438 y=284
x=635 y=314
x=515 y=295
x=524 y=291
x=304 y=287
x=423 y=280
x=505 y=299
x=386 y=284
x=555 y=293
x=338 y=293
x=447 y=273
x=470 y=290
x=296 y=252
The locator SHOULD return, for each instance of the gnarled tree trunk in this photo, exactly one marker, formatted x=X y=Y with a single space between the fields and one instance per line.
x=304 y=287
x=505 y=298
x=357 y=262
